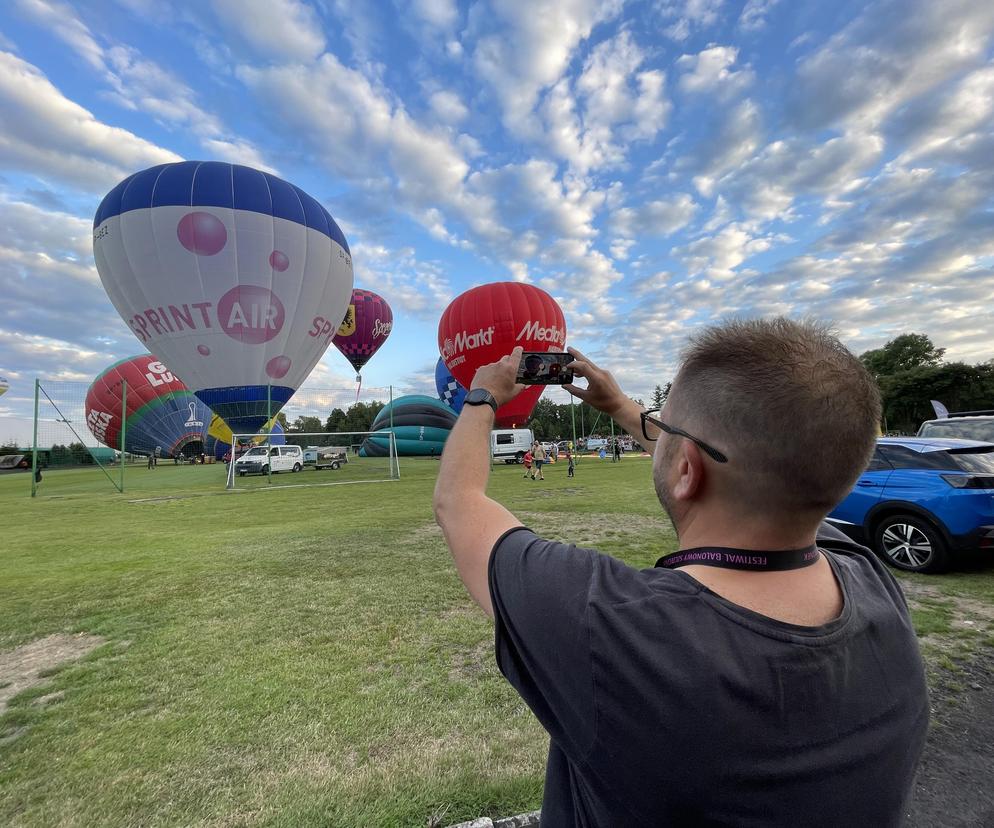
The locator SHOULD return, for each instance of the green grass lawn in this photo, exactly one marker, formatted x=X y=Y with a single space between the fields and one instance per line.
x=290 y=656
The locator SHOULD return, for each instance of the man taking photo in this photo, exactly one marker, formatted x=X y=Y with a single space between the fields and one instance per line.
x=766 y=674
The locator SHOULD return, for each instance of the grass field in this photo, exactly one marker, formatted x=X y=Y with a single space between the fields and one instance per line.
x=296 y=656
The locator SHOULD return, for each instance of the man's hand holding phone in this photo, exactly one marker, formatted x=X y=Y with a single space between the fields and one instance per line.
x=602 y=391
x=545 y=368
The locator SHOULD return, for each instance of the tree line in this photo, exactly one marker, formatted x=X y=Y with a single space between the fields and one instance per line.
x=911 y=372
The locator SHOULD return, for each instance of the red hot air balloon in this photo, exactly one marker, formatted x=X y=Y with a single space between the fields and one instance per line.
x=367 y=324
x=485 y=323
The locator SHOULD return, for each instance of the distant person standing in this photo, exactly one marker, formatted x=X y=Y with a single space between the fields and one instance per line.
x=617 y=451
x=151 y=461
x=528 y=463
x=570 y=465
x=539 y=454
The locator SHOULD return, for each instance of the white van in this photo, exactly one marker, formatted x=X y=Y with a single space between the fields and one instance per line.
x=263 y=459
x=510 y=444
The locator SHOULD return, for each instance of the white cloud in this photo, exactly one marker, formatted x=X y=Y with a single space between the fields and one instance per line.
x=441 y=14
x=655 y=218
x=141 y=85
x=414 y=287
x=614 y=100
x=709 y=71
x=59 y=19
x=735 y=138
x=448 y=107
x=891 y=53
x=283 y=29
x=754 y=14
x=689 y=15
x=531 y=49
x=934 y=122
x=48 y=135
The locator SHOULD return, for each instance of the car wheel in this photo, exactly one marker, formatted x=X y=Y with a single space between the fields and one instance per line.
x=296 y=467
x=519 y=457
x=911 y=543
x=265 y=469
x=335 y=466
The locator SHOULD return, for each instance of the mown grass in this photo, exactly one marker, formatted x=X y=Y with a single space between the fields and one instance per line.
x=294 y=657
x=299 y=656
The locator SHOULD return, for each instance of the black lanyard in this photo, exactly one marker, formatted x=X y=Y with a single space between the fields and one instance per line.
x=749 y=559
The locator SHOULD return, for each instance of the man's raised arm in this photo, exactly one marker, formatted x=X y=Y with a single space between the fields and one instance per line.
x=471 y=521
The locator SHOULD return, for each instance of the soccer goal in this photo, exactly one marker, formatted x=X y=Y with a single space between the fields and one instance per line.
x=314 y=459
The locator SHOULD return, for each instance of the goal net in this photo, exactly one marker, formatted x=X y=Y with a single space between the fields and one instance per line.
x=318 y=458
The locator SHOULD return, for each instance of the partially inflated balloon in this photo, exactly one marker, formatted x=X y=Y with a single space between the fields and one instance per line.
x=420 y=424
x=366 y=326
x=485 y=323
x=235 y=278
x=161 y=412
x=449 y=390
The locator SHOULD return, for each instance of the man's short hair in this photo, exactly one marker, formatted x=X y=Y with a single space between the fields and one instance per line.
x=796 y=413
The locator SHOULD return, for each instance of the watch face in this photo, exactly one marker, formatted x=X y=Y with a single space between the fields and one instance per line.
x=479 y=396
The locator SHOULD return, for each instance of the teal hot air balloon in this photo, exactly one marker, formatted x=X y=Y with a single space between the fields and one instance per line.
x=421 y=425
x=235 y=278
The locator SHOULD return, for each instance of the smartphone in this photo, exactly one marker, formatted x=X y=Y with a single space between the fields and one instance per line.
x=545 y=368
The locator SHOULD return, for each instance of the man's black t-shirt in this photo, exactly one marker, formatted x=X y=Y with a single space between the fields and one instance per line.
x=669 y=705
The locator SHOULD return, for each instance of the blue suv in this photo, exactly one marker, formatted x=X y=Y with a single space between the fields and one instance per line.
x=920 y=499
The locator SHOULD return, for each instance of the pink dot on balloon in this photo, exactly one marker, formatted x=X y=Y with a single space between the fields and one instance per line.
x=203 y=350
x=202 y=233
x=279 y=261
x=278 y=366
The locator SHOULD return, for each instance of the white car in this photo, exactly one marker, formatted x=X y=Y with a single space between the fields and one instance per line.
x=265 y=459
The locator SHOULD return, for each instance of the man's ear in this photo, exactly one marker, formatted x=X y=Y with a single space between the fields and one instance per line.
x=689 y=472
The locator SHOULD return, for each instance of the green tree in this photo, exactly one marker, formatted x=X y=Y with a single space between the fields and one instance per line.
x=306 y=425
x=903 y=353
x=960 y=387
x=659 y=395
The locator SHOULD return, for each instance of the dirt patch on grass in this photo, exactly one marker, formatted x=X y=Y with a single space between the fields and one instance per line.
x=596 y=527
x=30 y=664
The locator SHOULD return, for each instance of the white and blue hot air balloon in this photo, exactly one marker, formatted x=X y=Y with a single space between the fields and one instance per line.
x=233 y=277
x=449 y=390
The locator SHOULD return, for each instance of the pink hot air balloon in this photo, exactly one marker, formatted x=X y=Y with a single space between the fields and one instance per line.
x=367 y=324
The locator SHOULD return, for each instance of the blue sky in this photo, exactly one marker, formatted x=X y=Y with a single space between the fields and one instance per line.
x=657 y=165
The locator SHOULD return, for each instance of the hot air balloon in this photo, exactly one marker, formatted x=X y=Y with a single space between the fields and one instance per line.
x=161 y=411
x=237 y=279
x=449 y=390
x=219 y=436
x=366 y=326
x=485 y=323
x=4 y=386
x=421 y=425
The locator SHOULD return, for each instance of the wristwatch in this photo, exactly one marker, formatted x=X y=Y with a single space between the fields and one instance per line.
x=480 y=396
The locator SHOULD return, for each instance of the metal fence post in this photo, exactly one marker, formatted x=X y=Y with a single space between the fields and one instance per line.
x=124 y=426
x=34 y=445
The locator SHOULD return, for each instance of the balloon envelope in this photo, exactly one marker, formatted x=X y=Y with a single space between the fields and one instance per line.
x=237 y=279
x=420 y=424
x=449 y=390
x=161 y=412
x=366 y=326
x=485 y=323
x=219 y=436
x=4 y=386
